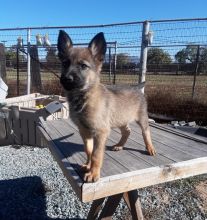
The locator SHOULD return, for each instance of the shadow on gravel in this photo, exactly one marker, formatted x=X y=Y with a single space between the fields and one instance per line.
x=23 y=198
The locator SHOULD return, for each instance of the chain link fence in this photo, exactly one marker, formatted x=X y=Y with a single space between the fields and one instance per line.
x=176 y=77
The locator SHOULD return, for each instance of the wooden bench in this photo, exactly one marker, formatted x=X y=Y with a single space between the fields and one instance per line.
x=179 y=155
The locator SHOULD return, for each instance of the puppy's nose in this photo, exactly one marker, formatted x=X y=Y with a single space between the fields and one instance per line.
x=70 y=78
x=66 y=79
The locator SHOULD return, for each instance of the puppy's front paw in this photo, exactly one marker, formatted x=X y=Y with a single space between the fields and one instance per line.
x=92 y=176
x=151 y=150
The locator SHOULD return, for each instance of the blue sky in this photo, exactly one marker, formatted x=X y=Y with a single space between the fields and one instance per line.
x=24 y=13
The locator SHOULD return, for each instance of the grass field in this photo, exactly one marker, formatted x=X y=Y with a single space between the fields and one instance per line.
x=169 y=95
x=179 y=86
x=172 y=96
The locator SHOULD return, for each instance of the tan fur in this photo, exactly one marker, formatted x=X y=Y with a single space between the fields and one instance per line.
x=96 y=109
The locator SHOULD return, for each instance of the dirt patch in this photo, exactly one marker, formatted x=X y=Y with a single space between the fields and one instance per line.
x=201 y=190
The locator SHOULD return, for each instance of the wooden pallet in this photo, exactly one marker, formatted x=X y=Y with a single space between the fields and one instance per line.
x=24 y=128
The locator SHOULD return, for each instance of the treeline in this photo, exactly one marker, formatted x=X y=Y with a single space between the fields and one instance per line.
x=158 y=60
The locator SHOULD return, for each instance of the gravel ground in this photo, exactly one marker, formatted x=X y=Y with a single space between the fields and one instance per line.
x=32 y=186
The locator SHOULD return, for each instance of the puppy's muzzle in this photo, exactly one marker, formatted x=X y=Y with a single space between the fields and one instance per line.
x=71 y=82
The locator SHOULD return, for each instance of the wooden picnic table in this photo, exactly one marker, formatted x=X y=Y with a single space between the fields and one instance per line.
x=179 y=155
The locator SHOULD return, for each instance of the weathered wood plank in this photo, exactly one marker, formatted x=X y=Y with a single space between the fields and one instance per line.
x=68 y=144
x=127 y=160
x=109 y=165
x=177 y=140
x=133 y=157
x=5 y=137
x=31 y=118
x=181 y=151
x=189 y=136
x=142 y=178
x=68 y=170
x=191 y=148
x=25 y=128
x=173 y=136
x=174 y=153
x=17 y=126
x=123 y=158
x=135 y=146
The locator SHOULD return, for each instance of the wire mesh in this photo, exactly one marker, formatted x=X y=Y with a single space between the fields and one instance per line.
x=125 y=40
x=176 y=72
x=178 y=78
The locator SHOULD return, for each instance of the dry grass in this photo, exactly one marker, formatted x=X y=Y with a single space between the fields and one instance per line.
x=169 y=95
x=177 y=107
x=172 y=96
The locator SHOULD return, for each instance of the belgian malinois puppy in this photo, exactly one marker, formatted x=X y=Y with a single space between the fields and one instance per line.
x=94 y=108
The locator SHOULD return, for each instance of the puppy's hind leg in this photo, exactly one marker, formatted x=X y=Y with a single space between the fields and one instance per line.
x=125 y=132
x=144 y=124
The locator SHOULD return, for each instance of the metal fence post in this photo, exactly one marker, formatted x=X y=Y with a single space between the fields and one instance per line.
x=28 y=62
x=110 y=64
x=115 y=62
x=196 y=70
x=17 y=56
x=143 y=53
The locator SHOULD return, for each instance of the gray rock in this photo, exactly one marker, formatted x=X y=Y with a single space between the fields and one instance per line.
x=182 y=123
x=192 y=123
x=174 y=122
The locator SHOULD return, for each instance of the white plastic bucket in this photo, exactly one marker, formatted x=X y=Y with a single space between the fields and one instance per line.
x=3 y=89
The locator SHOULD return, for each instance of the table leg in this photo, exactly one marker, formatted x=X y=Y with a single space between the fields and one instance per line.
x=95 y=208
x=110 y=207
x=132 y=200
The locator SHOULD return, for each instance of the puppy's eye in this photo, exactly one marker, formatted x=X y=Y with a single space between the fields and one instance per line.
x=83 y=66
x=66 y=63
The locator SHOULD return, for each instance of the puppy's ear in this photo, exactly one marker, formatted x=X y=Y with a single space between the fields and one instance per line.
x=97 y=46
x=63 y=44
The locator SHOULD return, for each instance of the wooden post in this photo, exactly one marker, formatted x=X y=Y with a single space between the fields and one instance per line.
x=110 y=207
x=2 y=62
x=35 y=69
x=95 y=208
x=143 y=53
x=196 y=71
x=132 y=200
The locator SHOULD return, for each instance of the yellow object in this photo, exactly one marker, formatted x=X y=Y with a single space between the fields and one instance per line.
x=39 y=106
